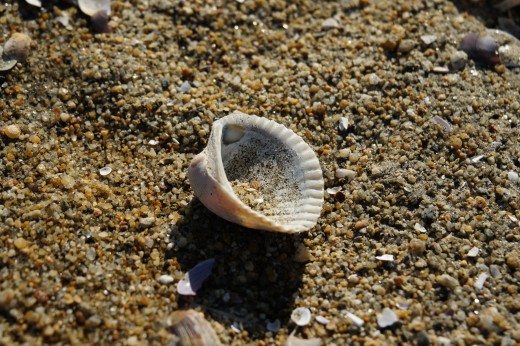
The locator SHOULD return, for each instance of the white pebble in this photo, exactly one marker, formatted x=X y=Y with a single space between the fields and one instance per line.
x=473 y=252
x=387 y=258
x=165 y=279
x=512 y=176
x=428 y=39
x=418 y=227
x=386 y=318
x=105 y=171
x=480 y=281
x=301 y=316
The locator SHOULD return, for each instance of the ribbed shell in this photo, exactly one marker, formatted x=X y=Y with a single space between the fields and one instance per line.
x=246 y=147
x=192 y=329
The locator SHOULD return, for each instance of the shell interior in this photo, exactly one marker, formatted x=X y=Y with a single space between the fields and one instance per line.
x=272 y=170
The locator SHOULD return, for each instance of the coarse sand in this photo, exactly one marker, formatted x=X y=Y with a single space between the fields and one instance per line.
x=431 y=149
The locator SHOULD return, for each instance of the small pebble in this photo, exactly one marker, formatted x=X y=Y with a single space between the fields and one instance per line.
x=21 y=243
x=146 y=222
x=448 y=281
x=12 y=131
x=405 y=46
x=458 y=60
x=417 y=246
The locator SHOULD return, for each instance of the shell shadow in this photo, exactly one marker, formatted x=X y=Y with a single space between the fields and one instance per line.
x=254 y=279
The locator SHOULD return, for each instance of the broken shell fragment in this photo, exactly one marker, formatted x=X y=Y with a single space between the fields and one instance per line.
x=258 y=174
x=191 y=328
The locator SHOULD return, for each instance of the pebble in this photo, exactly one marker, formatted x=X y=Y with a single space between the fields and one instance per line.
x=146 y=222
x=447 y=281
x=406 y=46
x=6 y=299
x=458 y=60
x=21 y=243
x=12 y=131
x=417 y=246
x=513 y=260
x=428 y=39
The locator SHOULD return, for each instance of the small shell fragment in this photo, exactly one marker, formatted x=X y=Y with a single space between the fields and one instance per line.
x=445 y=125
x=473 y=252
x=36 y=3
x=329 y=23
x=355 y=319
x=165 y=279
x=420 y=228
x=345 y=173
x=322 y=320
x=479 y=284
x=387 y=258
x=105 y=171
x=386 y=318
x=191 y=329
x=343 y=123
x=193 y=279
x=301 y=316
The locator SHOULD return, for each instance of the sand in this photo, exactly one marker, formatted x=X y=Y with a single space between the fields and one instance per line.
x=81 y=251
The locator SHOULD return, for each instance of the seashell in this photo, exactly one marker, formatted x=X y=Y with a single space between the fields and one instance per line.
x=90 y=7
x=482 y=49
x=263 y=163
x=191 y=329
x=17 y=47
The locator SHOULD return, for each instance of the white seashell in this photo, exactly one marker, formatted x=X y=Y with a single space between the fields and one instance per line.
x=272 y=168
x=90 y=7
x=301 y=316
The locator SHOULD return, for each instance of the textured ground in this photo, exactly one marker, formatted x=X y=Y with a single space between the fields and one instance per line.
x=81 y=252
